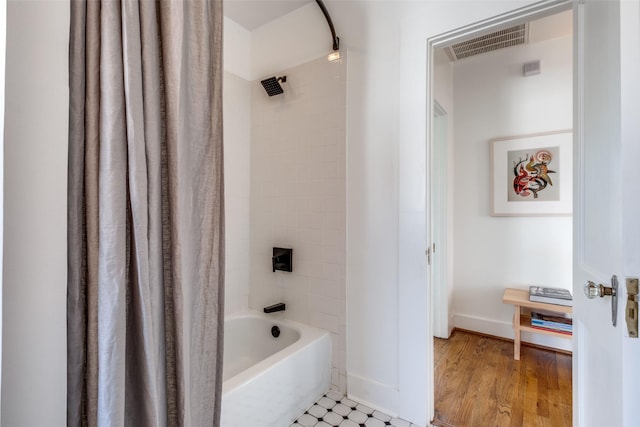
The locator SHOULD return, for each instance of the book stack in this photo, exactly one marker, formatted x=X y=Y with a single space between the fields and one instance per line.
x=546 y=322
x=550 y=295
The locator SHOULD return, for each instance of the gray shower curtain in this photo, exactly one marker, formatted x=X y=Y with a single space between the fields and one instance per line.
x=145 y=214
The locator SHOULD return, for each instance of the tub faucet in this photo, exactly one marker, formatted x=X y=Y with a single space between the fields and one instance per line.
x=275 y=307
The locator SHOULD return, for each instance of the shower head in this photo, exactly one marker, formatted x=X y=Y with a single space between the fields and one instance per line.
x=272 y=85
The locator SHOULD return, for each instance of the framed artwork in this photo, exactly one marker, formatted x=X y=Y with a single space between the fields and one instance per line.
x=532 y=175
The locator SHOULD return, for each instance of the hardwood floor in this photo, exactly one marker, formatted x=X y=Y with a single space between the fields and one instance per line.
x=478 y=384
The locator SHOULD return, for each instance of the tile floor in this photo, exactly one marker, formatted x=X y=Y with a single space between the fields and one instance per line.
x=334 y=409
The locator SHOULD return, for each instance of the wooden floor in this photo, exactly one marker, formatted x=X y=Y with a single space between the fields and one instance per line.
x=478 y=384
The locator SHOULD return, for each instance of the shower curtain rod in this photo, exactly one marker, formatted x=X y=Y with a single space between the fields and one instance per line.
x=336 y=39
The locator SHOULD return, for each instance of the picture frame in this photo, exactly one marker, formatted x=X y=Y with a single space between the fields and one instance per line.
x=532 y=175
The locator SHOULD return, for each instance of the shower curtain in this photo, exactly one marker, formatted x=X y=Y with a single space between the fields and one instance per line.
x=145 y=214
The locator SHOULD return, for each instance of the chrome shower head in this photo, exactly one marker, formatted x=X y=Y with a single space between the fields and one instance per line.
x=272 y=85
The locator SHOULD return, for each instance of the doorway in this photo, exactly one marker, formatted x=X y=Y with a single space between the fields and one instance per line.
x=470 y=303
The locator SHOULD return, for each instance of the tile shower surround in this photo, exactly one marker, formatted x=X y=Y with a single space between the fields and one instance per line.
x=237 y=149
x=298 y=199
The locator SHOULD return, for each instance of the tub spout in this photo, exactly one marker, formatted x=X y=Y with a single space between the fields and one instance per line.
x=275 y=307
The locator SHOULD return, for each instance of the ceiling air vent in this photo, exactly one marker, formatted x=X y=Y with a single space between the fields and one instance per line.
x=500 y=39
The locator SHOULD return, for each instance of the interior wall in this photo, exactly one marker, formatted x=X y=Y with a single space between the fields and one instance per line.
x=296 y=38
x=34 y=337
x=3 y=51
x=373 y=349
x=493 y=99
x=298 y=201
x=236 y=49
x=237 y=143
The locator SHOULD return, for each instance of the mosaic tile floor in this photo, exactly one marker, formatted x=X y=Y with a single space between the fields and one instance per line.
x=334 y=409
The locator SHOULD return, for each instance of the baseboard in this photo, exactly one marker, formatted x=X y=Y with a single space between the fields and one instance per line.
x=505 y=330
x=375 y=395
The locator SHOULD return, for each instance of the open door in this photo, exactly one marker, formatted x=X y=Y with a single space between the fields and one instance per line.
x=439 y=225
x=604 y=369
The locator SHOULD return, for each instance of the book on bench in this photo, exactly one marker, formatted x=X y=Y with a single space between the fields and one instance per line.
x=552 y=322
x=550 y=295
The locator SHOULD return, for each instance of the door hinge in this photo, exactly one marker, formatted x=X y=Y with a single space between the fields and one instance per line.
x=428 y=254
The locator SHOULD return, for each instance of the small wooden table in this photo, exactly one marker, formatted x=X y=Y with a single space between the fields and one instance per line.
x=519 y=298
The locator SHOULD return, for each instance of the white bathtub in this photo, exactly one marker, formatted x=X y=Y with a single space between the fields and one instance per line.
x=268 y=381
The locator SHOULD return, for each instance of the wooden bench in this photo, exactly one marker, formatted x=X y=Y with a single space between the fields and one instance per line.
x=519 y=298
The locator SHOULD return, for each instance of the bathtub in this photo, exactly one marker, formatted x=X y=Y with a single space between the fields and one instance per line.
x=268 y=381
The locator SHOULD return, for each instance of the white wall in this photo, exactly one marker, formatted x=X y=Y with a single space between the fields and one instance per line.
x=294 y=39
x=237 y=143
x=35 y=197
x=298 y=197
x=236 y=49
x=493 y=99
x=3 y=51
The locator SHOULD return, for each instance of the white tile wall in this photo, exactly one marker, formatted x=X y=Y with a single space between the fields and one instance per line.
x=237 y=141
x=298 y=198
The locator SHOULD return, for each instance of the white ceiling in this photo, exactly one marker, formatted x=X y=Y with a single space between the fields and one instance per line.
x=252 y=14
